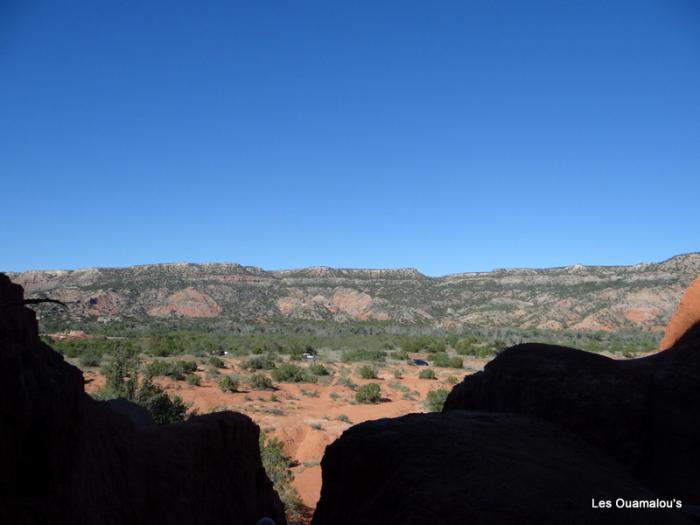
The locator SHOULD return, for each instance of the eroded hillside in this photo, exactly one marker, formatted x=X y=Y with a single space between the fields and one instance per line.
x=574 y=297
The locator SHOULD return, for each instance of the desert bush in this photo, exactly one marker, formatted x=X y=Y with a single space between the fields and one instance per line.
x=277 y=466
x=216 y=362
x=444 y=361
x=121 y=373
x=259 y=363
x=398 y=373
x=228 y=384
x=260 y=381
x=435 y=399
x=291 y=373
x=90 y=358
x=399 y=355
x=422 y=343
x=162 y=407
x=369 y=393
x=346 y=381
x=343 y=418
x=193 y=379
x=174 y=369
x=364 y=355
x=452 y=380
x=367 y=372
x=318 y=369
x=426 y=373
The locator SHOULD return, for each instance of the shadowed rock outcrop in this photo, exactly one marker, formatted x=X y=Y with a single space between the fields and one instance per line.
x=644 y=413
x=467 y=467
x=67 y=458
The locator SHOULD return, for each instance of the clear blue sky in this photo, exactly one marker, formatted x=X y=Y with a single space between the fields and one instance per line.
x=447 y=136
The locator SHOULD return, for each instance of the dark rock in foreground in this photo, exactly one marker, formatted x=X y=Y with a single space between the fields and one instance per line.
x=467 y=467
x=69 y=459
x=644 y=413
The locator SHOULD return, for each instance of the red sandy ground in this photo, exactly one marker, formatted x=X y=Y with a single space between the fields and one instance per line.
x=306 y=425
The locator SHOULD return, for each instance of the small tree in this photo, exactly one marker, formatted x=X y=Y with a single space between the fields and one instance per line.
x=122 y=372
x=162 y=407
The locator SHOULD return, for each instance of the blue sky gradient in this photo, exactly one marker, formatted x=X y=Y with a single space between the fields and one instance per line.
x=446 y=136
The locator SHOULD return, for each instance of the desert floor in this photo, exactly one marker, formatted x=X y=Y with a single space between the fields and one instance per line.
x=307 y=417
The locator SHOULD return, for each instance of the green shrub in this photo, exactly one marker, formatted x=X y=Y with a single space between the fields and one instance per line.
x=346 y=381
x=90 y=358
x=318 y=369
x=367 y=372
x=193 y=379
x=259 y=363
x=260 y=381
x=278 y=468
x=364 y=355
x=426 y=373
x=343 y=418
x=444 y=361
x=291 y=373
x=369 y=393
x=398 y=373
x=228 y=384
x=216 y=362
x=121 y=373
x=452 y=380
x=174 y=369
x=162 y=407
x=435 y=399
x=441 y=359
x=456 y=362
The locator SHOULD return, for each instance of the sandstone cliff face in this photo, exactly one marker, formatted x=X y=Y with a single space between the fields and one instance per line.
x=686 y=315
x=577 y=297
x=644 y=413
x=69 y=459
x=468 y=467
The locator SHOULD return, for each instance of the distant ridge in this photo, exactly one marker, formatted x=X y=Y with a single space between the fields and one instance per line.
x=577 y=297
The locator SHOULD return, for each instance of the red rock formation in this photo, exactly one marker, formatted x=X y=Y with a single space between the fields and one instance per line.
x=686 y=315
x=67 y=458
x=188 y=303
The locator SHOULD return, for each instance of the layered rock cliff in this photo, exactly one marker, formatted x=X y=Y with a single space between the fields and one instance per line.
x=575 y=297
